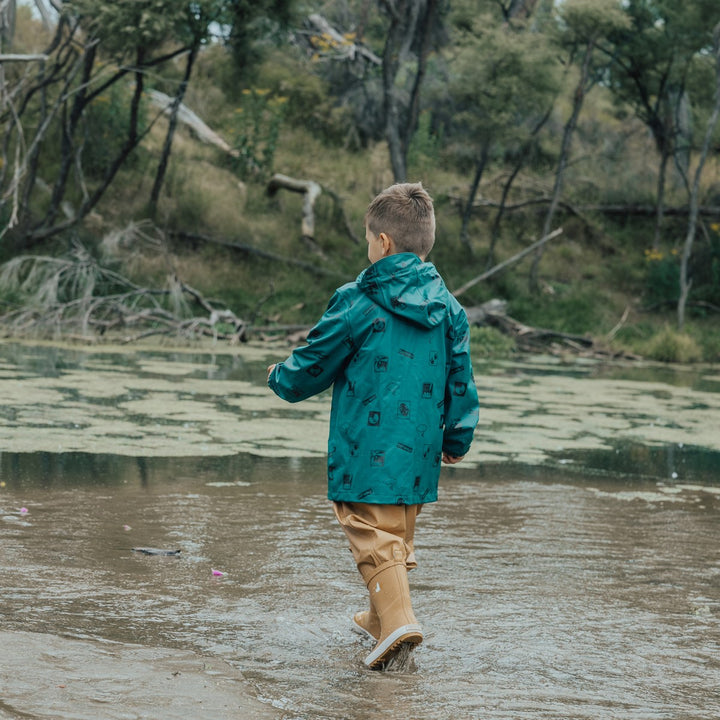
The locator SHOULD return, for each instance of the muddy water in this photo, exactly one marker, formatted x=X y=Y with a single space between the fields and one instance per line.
x=576 y=575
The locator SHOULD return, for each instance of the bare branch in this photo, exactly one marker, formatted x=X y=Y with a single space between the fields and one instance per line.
x=501 y=266
x=14 y=57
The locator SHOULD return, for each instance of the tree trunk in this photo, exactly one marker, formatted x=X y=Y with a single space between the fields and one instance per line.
x=479 y=169
x=685 y=282
x=67 y=143
x=34 y=153
x=413 y=114
x=660 y=200
x=391 y=58
x=524 y=150
x=409 y=20
x=495 y=231
x=568 y=131
x=172 y=125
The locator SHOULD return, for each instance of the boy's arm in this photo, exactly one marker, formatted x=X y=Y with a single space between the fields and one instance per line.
x=461 y=398
x=312 y=368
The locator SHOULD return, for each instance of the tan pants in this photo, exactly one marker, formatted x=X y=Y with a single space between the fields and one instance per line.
x=378 y=534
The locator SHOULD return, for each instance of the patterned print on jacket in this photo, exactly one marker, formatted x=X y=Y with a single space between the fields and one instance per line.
x=395 y=344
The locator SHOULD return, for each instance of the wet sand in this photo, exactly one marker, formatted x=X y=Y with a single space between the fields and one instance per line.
x=45 y=676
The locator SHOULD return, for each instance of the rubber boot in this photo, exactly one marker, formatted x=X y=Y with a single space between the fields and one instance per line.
x=367 y=623
x=390 y=593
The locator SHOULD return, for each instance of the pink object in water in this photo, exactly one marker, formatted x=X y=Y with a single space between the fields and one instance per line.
x=218 y=573
x=23 y=510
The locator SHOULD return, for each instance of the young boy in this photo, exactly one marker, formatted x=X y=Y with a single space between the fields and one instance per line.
x=395 y=345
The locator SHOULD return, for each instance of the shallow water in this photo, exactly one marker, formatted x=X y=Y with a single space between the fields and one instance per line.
x=585 y=585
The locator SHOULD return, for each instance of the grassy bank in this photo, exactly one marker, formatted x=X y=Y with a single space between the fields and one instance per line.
x=598 y=278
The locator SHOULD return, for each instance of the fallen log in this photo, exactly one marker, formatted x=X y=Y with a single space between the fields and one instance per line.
x=531 y=339
x=188 y=117
x=311 y=191
x=578 y=210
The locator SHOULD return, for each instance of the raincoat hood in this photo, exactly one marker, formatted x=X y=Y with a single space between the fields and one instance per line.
x=408 y=287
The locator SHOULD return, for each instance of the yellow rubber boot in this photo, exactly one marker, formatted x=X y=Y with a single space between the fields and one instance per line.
x=367 y=623
x=390 y=596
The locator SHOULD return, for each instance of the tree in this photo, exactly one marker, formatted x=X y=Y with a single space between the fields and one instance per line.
x=502 y=79
x=411 y=27
x=651 y=59
x=94 y=48
x=584 y=25
x=694 y=190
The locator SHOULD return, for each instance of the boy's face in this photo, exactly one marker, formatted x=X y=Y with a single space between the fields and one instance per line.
x=377 y=245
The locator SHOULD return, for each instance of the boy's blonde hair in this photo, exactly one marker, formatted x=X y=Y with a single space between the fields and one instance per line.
x=404 y=212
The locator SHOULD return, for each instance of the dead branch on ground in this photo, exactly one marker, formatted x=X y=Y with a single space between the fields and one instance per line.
x=531 y=339
x=76 y=297
x=579 y=210
x=311 y=191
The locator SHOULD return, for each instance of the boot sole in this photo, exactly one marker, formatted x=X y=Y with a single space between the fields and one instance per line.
x=411 y=634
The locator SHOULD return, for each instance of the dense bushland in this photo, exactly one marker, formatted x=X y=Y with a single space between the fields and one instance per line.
x=593 y=117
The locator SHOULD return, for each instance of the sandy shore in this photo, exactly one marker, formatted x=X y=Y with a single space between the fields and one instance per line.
x=44 y=676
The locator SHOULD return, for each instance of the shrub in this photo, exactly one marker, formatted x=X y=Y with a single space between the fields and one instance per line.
x=705 y=270
x=488 y=342
x=571 y=309
x=672 y=346
x=662 y=277
x=255 y=135
x=106 y=126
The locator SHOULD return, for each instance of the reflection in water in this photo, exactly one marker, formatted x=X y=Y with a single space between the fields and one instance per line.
x=543 y=594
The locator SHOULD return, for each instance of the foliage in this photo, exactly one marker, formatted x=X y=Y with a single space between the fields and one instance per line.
x=570 y=309
x=105 y=122
x=254 y=138
x=249 y=25
x=124 y=25
x=427 y=144
x=501 y=81
x=657 y=62
x=673 y=346
x=488 y=342
x=491 y=77
x=662 y=277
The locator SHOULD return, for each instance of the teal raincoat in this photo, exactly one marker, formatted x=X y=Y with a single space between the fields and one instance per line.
x=395 y=344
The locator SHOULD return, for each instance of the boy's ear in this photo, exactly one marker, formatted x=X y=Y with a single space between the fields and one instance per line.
x=387 y=244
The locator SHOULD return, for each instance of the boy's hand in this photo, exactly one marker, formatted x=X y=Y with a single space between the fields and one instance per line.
x=270 y=369
x=451 y=459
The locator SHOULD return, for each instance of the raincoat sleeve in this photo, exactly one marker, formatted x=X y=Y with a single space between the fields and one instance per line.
x=461 y=398
x=312 y=368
